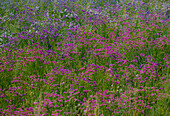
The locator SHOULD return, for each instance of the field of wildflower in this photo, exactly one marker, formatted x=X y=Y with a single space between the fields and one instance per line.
x=84 y=58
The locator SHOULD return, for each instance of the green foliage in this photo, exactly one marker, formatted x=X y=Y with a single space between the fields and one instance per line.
x=114 y=57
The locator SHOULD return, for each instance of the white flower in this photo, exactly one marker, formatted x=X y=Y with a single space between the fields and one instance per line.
x=65 y=10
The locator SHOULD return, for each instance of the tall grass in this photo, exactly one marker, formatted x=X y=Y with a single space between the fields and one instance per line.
x=81 y=57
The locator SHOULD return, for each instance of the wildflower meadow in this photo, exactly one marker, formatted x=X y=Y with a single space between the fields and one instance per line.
x=84 y=58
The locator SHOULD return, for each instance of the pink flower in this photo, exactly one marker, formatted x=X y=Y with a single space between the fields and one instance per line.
x=142 y=71
x=82 y=68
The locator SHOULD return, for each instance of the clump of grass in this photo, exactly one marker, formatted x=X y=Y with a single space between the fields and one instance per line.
x=84 y=58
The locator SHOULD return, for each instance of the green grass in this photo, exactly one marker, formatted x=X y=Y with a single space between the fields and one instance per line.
x=84 y=59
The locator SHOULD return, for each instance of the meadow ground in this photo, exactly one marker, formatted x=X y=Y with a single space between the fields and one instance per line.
x=101 y=58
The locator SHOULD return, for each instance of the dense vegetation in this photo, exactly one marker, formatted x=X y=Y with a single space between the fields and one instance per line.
x=79 y=58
